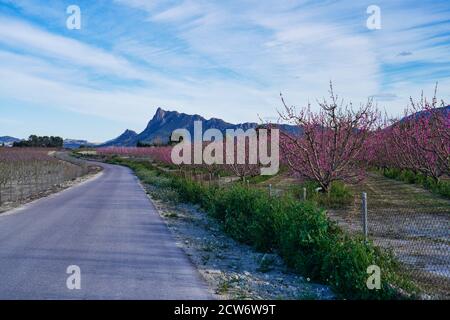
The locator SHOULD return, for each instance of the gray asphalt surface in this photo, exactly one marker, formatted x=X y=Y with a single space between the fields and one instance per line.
x=111 y=230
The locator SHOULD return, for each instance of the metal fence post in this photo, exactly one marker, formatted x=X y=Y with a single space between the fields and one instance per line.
x=304 y=194
x=270 y=190
x=364 y=215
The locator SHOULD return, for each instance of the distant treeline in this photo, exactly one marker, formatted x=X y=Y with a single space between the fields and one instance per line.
x=40 y=142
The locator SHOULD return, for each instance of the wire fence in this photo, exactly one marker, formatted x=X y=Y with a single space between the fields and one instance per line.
x=417 y=234
x=22 y=180
x=414 y=226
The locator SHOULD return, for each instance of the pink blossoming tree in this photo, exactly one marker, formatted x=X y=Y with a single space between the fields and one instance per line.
x=331 y=141
x=420 y=142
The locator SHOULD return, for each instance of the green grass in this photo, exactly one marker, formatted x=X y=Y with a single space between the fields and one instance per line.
x=258 y=179
x=266 y=264
x=300 y=232
x=441 y=187
x=339 y=196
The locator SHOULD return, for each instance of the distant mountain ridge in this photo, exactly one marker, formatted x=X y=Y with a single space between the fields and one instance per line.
x=163 y=123
x=8 y=141
x=75 y=144
x=445 y=110
x=160 y=128
x=126 y=139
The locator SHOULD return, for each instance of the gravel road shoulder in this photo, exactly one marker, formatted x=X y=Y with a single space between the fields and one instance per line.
x=233 y=270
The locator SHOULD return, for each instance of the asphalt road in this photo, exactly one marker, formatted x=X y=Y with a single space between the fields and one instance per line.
x=110 y=230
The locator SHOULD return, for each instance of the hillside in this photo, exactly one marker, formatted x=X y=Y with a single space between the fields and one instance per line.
x=75 y=144
x=445 y=110
x=7 y=140
x=126 y=139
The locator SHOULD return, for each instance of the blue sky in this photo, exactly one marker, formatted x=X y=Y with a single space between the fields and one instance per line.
x=226 y=59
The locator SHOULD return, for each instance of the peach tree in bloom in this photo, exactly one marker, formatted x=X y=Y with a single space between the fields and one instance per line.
x=160 y=154
x=331 y=141
x=419 y=142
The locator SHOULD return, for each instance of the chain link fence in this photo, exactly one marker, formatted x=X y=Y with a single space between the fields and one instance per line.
x=410 y=222
x=405 y=219
x=23 y=180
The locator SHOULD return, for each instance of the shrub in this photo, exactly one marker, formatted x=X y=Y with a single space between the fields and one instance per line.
x=339 y=195
x=247 y=216
x=306 y=239
x=164 y=194
x=300 y=227
x=408 y=176
x=299 y=231
x=345 y=264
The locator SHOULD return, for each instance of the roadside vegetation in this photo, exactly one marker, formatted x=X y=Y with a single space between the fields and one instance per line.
x=327 y=161
x=299 y=232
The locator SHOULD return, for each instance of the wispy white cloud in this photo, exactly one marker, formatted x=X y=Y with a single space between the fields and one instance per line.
x=227 y=59
x=184 y=11
x=39 y=42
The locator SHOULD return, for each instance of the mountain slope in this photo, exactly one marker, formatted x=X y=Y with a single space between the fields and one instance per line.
x=126 y=139
x=75 y=144
x=8 y=141
x=444 y=110
x=160 y=128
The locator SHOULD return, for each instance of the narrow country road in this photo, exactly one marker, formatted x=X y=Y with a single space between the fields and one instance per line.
x=110 y=230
